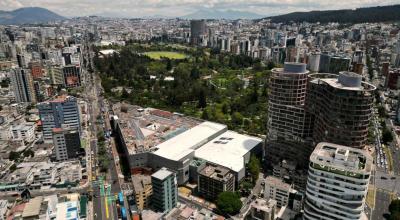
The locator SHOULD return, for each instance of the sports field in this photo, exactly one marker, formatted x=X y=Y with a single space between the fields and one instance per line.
x=171 y=55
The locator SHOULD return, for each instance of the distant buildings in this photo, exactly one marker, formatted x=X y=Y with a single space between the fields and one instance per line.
x=59 y=111
x=337 y=183
x=165 y=190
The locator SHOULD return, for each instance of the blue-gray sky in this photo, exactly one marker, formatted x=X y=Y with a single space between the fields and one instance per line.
x=174 y=8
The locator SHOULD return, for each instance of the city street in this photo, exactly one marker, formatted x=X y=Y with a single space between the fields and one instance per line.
x=381 y=204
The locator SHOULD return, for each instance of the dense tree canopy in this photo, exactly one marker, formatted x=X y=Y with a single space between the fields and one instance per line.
x=229 y=202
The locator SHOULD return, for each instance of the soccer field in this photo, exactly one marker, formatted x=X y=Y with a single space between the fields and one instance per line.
x=171 y=55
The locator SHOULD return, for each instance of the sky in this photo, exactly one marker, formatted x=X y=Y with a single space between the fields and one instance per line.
x=176 y=8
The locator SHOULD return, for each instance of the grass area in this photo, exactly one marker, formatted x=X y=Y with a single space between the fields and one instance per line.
x=83 y=143
x=371 y=196
x=389 y=157
x=157 y=55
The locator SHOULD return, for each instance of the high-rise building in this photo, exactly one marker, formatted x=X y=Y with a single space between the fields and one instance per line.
x=165 y=191
x=67 y=143
x=341 y=106
x=313 y=61
x=36 y=69
x=22 y=83
x=59 y=111
x=338 y=64
x=288 y=124
x=142 y=190
x=337 y=185
x=198 y=29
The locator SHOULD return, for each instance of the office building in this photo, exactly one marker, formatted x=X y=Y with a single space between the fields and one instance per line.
x=338 y=64
x=338 y=179
x=165 y=190
x=67 y=143
x=72 y=76
x=59 y=111
x=142 y=190
x=56 y=75
x=36 y=69
x=341 y=107
x=313 y=61
x=393 y=79
x=198 y=30
x=22 y=83
x=288 y=124
x=214 y=179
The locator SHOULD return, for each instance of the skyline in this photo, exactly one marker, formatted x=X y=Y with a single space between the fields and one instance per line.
x=179 y=8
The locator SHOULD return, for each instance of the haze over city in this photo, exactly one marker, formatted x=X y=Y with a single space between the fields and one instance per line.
x=175 y=8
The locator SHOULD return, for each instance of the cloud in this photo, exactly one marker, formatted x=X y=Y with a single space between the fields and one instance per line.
x=139 y=8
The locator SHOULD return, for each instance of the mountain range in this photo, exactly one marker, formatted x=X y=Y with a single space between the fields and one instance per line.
x=28 y=15
x=221 y=14
x=359 y=15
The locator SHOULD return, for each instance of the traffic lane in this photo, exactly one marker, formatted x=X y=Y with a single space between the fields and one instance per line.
x=382 y=201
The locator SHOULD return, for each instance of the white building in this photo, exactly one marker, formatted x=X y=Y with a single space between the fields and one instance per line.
x=278 y=190
x=25 y=132
x=337 y=185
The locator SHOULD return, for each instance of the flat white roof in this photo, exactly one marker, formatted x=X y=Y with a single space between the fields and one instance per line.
x=228 y=150
x=161 y=174
x=183 y=144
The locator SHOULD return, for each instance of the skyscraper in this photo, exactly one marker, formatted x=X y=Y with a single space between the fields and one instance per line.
x=337 y=185
x=342 y=108
x=55 y=113
x=288 y=125
x=22 y=83
x=198 y=29
x=165 y=191
x=72 y=76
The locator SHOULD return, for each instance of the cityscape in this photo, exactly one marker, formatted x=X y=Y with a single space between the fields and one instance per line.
x=199 y=110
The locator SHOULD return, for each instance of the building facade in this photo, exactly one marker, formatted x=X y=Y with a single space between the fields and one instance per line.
x=288 y=123
x=337 y=185
x=59 y=111
x=22 y=83
x=213 y=180
x=67 y=143
x=165 y=190
x=341 y=107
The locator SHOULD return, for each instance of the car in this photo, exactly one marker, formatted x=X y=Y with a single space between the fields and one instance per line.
x=393 y=177
x=383 y=177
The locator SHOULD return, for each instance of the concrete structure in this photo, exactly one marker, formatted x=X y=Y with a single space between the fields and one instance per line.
x=165 y=190
x=338 y=64
x=67 y=143
x=313 y=61
x=342 y=108
x=261 y=209
x=22 y=83
x=68 y=210
x=278 y=190
x=288 y=123
x=142 y=190
x=393 y=79
x=214 y=179
x=337 y=183
x=25 y=132
x=36 y=208
x=59 y=111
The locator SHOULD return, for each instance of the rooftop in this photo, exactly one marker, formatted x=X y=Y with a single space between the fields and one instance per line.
x=162 y=174
x=143 y=129
x=277 y=182
x=188 y=141
x=216 y=172
x=341 y=158
x=32 y=208
x=228 y=150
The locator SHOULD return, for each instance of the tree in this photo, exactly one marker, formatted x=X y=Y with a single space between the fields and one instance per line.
x=394 y=209
x=204 y=115
x=229 y=202
x=202 y=99
x=124 y=94
x=14 y=156
x=29 y=153
x=254 y=167
x=13 y=167
x=387 y=135
x=237 y=119
x=169 y=64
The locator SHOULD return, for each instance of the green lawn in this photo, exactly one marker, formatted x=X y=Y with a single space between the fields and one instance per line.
x=171 y=55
